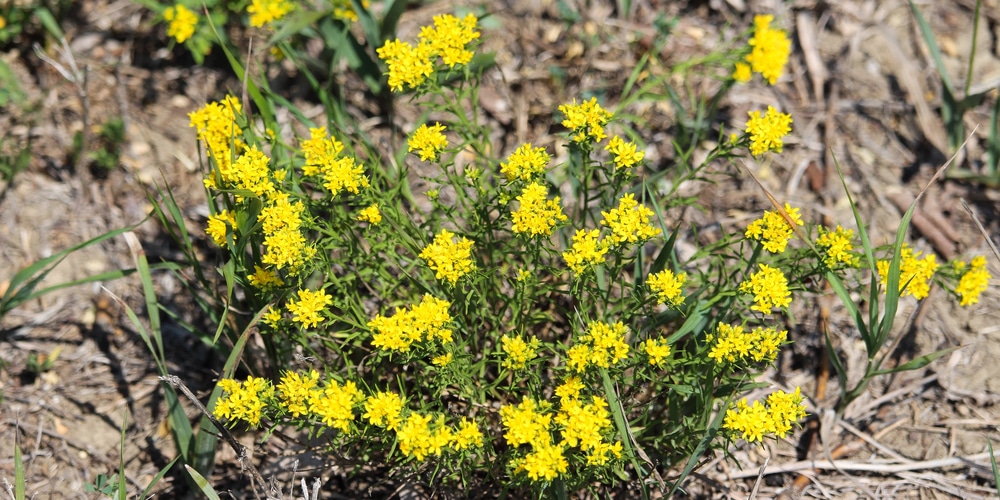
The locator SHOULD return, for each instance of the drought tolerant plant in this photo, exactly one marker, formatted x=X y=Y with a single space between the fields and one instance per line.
x=490 y=326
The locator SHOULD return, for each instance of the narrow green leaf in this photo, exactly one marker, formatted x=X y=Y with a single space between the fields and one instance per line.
x=928 y=36
x=19 y=480
x=710 y=434
x=202 y=483
x=390 y=19
x=49 y=22
x=916 y=363
x=993 y=464
x=122 y=492
x=156 y=479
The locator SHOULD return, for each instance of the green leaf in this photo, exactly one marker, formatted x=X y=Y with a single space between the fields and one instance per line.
x=916 y=363
x=19 y=481
x=993 y=465
x=202 y=483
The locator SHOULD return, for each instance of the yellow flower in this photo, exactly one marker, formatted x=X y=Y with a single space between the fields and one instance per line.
x=769 y=288
x=742 y=73
x=525 y=163
x=429 y=141
x=294 y=390
x=767 y=131
x=657 y=350
x=914 y=273
x=585 y=120
x=182 y=22
x=570 y=388
x=272 y=317
x=449 y=37
x=282 y=222
x=408 y=66
x=669 y=288
x=586 y=252
x=307 y=309
x=733 y=344
x=441 y=360
x=583 y=424
x=218 y=226
x=384 y=409
x=219 y=132
x=626 y=154
x=264 y=12
x=450 y=260
x=3 y=23
x=629 y=223
x=770 y=51
x=526 y=423
x=334 y=405
x=536 y=214
x=973 y=282
x=785 y=409
x=603 y=345
x=264 y=279
x=243 y=401
x=773 y=229
x=753 y=422
x=415 y=437
x=467 y=436
x=518 y=352
x=837 y=246
x=370 y=215
x=424 y=321
x=344 y=10
x=545 y=462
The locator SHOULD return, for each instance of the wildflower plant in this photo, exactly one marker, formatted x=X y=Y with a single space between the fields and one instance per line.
x=492 y=314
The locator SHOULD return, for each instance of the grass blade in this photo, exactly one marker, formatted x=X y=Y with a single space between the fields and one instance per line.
x=19 y=481
x=202 y=483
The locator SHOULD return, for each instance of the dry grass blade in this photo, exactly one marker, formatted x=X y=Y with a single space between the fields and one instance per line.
x=982 y=230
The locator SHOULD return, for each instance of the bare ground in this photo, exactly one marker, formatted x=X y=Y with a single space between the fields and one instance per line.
x=861 y=86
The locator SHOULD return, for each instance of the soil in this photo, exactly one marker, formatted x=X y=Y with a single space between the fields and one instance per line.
x=864 y=93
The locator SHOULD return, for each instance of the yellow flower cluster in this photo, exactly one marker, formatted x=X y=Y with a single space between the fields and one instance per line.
x=307 y=309
x=182 y=22
x=218 y=130
x=370 y=214
x=668 y=287
x=243 y=401
x=973 y=282
x=536 y=214
x=838 y=248
x=344 y=10
x=626 y=153
x=587 y=251
x=281 y=222
x=424 y=321
x=419 y=436
x=219 y=225
x=525 y=163
x=584 y=425
x=733 y=344
x=629 y=223
x=777 y=417
x=450 y=260
x=263 y=12
x=339 y=173
x=603 y=345
x=657 y=350
x=769 y=288
x=449 y=38
x=773 y=229
x=264 y=279
x=586 y=120
x=766 y=132
x=769 y=54
x=914 y=273
x=429 y=141
x=518 y=352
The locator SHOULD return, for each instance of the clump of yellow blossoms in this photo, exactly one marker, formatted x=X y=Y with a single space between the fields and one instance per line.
x=243 y=401
x=425 y=321
x=734 y=344
x=410 y=66
x=657 y=350
x=428 y=141
x=777 y=417
x=603 y=345
x=668 y=287
x=766 y=132
x=219 y=225
x=626 y=153
x=769 y=288
x=536 y=215
x=450 y=260
x=281 y=222
x=264 y=279
x=218 y=130
x=370 y=214
x=306 y=310
x=518 y=352
x=773 y=229
x=339 y=173
x=629 y=223
x=343 y=9
x=586 y=120
x=837 y=246
x=384 y=409
x=525 y=163
x=973 y=282
x=771 y=48
x=583 y=425
x=914 y=273
x=263 y=12
x=587 y=251
x=182 y=22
